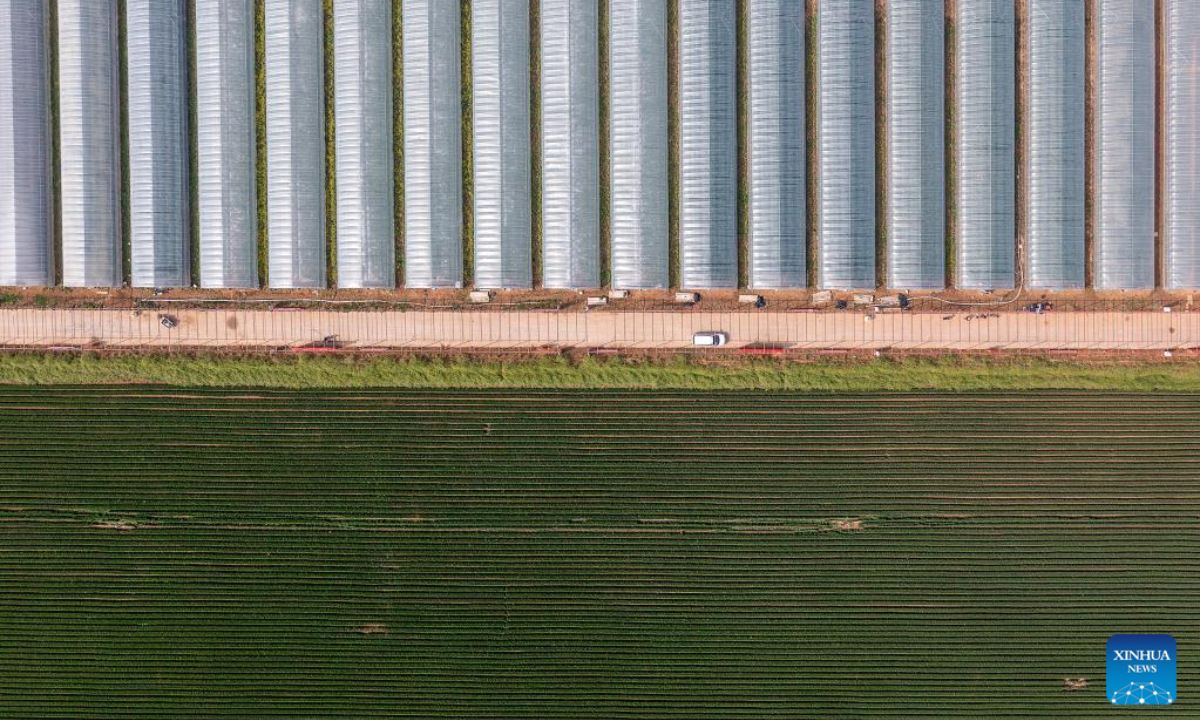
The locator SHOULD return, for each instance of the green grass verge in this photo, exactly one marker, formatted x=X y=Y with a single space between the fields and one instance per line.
x=468 y=148
x=535 y=138
x=330 y=153
x=55 y=257
x=948 y=374
x=260 y=137
x=193 y=157
x=398 y=134
x=605 y=126
x=812 y=186
x=743 y=152
x=881 y=146
x=673 y=140
x=123 y=143
x=951 y=149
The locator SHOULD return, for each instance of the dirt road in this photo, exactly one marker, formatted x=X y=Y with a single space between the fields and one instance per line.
x=516 y=329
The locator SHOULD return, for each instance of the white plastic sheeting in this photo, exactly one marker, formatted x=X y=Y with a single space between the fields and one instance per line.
x=916 y=160
x=846 y=140
x=225 y=144
x=157 y=91
x=432 y=145
x=570 y=144
x=638 y=143
x=708 y=144
x=295 y=77
x=1181 y=244
x=500 y=93
x=1124 y=144
x=776 y=105
x=89 y=142
x=25 y=205
x=366 y=236
x=1055 y=144
x=986 y=144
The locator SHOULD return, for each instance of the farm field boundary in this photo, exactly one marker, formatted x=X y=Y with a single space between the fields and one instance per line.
x=828 y=375
x=167 y=552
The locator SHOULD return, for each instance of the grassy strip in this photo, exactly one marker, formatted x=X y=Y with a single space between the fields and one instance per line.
x=260 y=135
x=193 y=158
x=603 y=139
x=468 y=149
x=949 y=374
x=812 y=212
x=1089 y=139
x=1020 y=184
x=535 y=137
x=673 y=150
x=951 y=147
x=743 y=152
x=881 y=144
x=330 y=153
x=55 y=149
x=398 y=134
x=123 y=142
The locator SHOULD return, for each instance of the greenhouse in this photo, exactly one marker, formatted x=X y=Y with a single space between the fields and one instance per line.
x=1124 y=150
x=708 y=153
x=295 y=78
x=225 y=144
x=777 y=252
x=985 y=126
x=157 y=96
x=1182 y=193
x=570 y=144
x=500 y=97
x=638 y=144
x=846 y=144
x=432 y=145
x=916 y=160
x=89 y=143
x=366 y=236
x=26 y=211
x=1056 y=146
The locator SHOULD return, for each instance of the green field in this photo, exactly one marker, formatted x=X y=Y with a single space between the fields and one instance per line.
x=549 y=554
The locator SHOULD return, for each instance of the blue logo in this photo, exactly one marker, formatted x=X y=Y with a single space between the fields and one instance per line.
x=1141 y=670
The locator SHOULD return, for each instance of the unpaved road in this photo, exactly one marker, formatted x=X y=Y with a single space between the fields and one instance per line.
x=616 y=330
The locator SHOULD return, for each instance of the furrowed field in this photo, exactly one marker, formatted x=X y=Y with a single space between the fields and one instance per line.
x=177 y=553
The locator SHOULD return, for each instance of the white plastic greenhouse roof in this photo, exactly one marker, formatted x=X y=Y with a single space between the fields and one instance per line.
x=777 y=145
x=1182 y=192
x=89 y=137
x=432 y=145
x=366 y=238
x=500 y=93
x=916 y=160
x=1055 y=144
x=986 y=144
x=638 y=143
x=25 y=203
x=1124 y=144
x=295 y=94
x=708 y=144
x=570 y=144
x=157 y=92
x=225 y=144
x=846 y=155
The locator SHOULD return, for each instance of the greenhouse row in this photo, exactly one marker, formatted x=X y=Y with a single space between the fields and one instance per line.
x=307 y=162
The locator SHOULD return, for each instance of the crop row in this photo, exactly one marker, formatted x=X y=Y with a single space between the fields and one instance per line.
x=178 y=553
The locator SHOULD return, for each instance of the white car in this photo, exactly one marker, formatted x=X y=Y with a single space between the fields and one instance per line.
x=709 y=339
